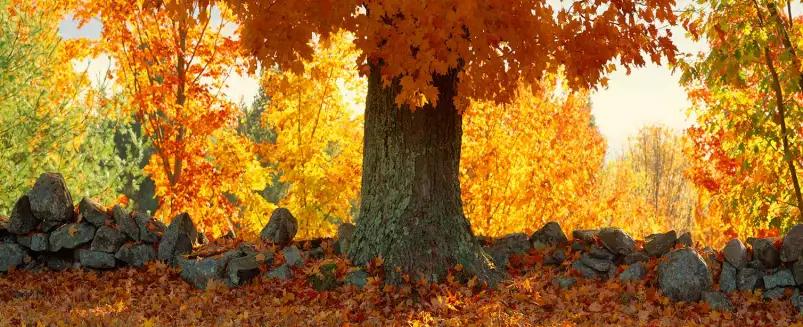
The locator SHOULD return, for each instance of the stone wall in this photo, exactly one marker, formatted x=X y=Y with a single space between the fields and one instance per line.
x=47 y=231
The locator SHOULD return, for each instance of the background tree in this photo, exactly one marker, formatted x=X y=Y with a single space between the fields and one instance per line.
x=52 y=118
x=746 y=96
x=424 y=60
x=172 y=61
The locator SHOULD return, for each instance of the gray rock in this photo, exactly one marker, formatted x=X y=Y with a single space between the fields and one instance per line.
x=538 y=245
x=241 y=270
x=601 y=253
x=126 y=223
x=792 y=247
x=585 y=271
x=345 y=234
x=357 y=278
x=635 y=257
x=58 y=262
x=50 y=199
x=735 y=253
x=48 y=226
x=659 y=244
x=513 y=243
x=596 y=264
x=550 y=234
x=781 y=278
x=136 y=255
x=727 y=278
x=683 y=276
x=633 y=272
x=149 y=229
x=22 y=220
x=325 y=279
x=585 y=235
x=315 y=254
x=774 y=294
x=91 y=212
x=70 y=236
x=747 y=279
x=765 y=251
x=797 y=271
x=281 y=228
x=281 y=272
x=757 y=265
x=107 y=239
x=797 y=300
x=717 y=301
x=11 y=255
x=96 y=259
x=36 y=242
x=247 y=247
x=177 y=238
x=292 y=256
x=499 y=256
x=685 y=239
x=199 y=271
x=616 y=240
x=564 y=282
x=559 y=255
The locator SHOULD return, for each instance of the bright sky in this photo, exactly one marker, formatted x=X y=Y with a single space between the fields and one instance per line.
x=648 y=95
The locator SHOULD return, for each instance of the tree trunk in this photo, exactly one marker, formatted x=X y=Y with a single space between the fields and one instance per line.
x=411 y=212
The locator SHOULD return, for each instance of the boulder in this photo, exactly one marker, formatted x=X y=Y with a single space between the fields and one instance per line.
x=578 y=246
x=585 y=235
x=513 y=243
x=48 y=226
x=345 y=234
x=357 y=278
x=96 y=259
x=585 y=271
x=735 y=253
x=150 y=230
x=781 y=278
x=70 y=236
x=797 y=271
x=792 y=247
x=774 y=294
x=315 y=254
x=683 y=276
x=797 y=300
x=92 y=212
x=136 y=255
x=177 y=238
x=659 y=244
x=107 y=239
x=599 y=265
x=37 y=242
x=559 y=255
x=616 y=240
x=635 y=257
x=601 y=253
x=727 y=278
x=325 y=279
x=499 y=256
x=633 y=273
x=241 y=270
x=22 y=220
x=717 y=301
x=126 y=223
x=765 y=251
x=292 y=256
x=281 y=272
x=281 y=228
x=58 y=262
x=685 y=239
x=564 y=282
x=550 y=234
x=11 y=256
x=748 y=279
x=50 y=199
x=199 y=271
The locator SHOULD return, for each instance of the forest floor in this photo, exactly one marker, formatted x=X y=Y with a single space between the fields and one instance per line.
x=157 y=296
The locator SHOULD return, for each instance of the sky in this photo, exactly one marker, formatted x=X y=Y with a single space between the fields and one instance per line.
x=649 y=95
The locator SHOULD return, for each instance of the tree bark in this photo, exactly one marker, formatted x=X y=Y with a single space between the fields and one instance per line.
x=411 y=212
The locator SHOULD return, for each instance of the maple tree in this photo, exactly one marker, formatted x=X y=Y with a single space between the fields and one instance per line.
x=172 y=61
x=746 y=96
x=423 y=60
x=318 y=143
x=534 y=160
